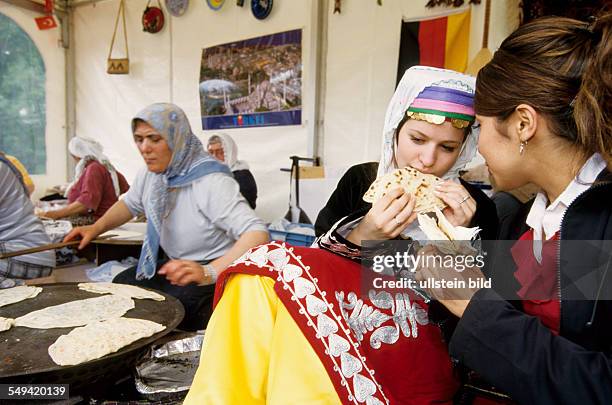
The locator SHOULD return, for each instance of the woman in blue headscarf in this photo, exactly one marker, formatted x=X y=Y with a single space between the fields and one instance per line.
x=194 y=211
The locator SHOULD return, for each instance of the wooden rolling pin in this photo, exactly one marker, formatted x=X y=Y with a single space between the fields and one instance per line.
x=50 y=246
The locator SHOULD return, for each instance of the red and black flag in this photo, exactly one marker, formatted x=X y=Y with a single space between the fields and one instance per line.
x=440 y=42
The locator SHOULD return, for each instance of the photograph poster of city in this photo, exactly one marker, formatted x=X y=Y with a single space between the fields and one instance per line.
x=252 y=83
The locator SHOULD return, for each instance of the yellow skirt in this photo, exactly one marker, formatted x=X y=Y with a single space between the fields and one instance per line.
x=255 y=353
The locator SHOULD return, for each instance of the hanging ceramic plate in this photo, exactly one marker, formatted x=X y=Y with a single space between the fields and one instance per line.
x=177 y=7
x=215 y=4
x=261 y=8
x=153 y=20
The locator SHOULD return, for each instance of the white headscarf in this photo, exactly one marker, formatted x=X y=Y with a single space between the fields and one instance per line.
x=87 y=150
x=413 y=82
x=230 y=151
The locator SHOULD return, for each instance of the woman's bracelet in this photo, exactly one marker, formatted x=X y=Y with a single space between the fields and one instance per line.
x=210 y=274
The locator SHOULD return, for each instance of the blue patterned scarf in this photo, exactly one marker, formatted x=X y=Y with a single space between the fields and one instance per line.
x=189 y=163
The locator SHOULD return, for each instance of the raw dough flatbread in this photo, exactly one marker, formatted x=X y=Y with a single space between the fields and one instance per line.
x=98 y=339
x=6 y=323
x=419 y=185
x=77 y=313
x=126 y=290
x=19 y=293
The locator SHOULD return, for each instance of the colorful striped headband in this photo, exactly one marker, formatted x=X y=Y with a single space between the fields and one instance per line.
x=436 y=104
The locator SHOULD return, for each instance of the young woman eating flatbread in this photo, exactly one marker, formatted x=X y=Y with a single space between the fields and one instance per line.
x=429 y=126
x=300 y=325
x=543 y=334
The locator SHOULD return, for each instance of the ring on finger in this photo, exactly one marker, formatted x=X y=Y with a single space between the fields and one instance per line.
x=467 y=197
x=397 y=221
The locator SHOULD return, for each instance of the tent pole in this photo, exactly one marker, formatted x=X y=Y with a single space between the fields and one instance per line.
x=70 y=79
x=315 y=86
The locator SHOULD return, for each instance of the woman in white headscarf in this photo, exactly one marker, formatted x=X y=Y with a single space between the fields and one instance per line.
x=223 y=148
x=352 y=341
x=429 y=126
x=96 y=185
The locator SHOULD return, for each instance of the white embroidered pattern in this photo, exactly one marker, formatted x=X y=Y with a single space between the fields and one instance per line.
x=455 y=84
x=365 y=318
x=356 y=377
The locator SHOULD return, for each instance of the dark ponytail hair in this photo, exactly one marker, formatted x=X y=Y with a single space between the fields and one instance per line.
x=593 y=105
x=563 y=69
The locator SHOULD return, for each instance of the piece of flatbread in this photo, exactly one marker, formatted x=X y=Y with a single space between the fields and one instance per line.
x=15 y=294
x=125 y=290
x=6 y=323
x=419 y=185
x=77 y=313
x=452 y=239
x=98 y=339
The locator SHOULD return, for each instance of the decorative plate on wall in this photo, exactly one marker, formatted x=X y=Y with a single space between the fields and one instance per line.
x=153 y=19
x=215 y=4
x=261 y=8
x=177 y=7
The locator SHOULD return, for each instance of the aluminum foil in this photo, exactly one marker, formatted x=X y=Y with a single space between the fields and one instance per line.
x=170 y=367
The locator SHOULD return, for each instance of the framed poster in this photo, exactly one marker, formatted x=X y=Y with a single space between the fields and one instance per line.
x=252 y=83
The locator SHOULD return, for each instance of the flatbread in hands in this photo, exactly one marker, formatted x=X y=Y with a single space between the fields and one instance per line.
x=125 y=290
x=453 y=239
x=419 y=185
x=15 y=294
x=100 y=338
x=77 y=313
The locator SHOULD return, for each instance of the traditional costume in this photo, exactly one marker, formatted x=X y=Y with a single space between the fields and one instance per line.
x=295 y=325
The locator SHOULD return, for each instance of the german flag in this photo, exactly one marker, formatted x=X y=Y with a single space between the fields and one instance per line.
x=439 y=42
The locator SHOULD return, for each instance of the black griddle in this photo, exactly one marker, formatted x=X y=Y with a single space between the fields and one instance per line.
x=23 y=351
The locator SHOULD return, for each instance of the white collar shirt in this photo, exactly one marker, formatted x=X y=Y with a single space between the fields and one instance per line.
x=546 y=220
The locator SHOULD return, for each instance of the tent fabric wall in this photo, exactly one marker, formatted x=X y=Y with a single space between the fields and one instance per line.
x=362 y=58
x=360 y=68
x=53 y=54
x=166 y=67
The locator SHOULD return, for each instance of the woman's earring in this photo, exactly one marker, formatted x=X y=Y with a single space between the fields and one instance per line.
x=522 y=147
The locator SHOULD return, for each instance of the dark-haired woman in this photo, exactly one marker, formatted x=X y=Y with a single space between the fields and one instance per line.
x=543 y=334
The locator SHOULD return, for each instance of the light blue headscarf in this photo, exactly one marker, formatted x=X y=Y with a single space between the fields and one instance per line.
x=189 y=163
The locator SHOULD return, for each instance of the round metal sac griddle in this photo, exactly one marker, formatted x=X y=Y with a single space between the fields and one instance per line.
x=23 y=351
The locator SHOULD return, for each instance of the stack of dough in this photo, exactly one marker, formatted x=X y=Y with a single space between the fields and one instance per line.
x=98 y=339
x=125 y=290
x=419 y=185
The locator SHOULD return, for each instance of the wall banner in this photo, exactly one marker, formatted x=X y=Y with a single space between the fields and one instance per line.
x=252 y=83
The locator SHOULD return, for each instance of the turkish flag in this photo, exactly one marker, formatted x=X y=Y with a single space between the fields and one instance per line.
x=46 y=22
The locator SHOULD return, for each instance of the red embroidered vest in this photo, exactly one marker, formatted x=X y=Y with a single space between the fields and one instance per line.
x=376 y=347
